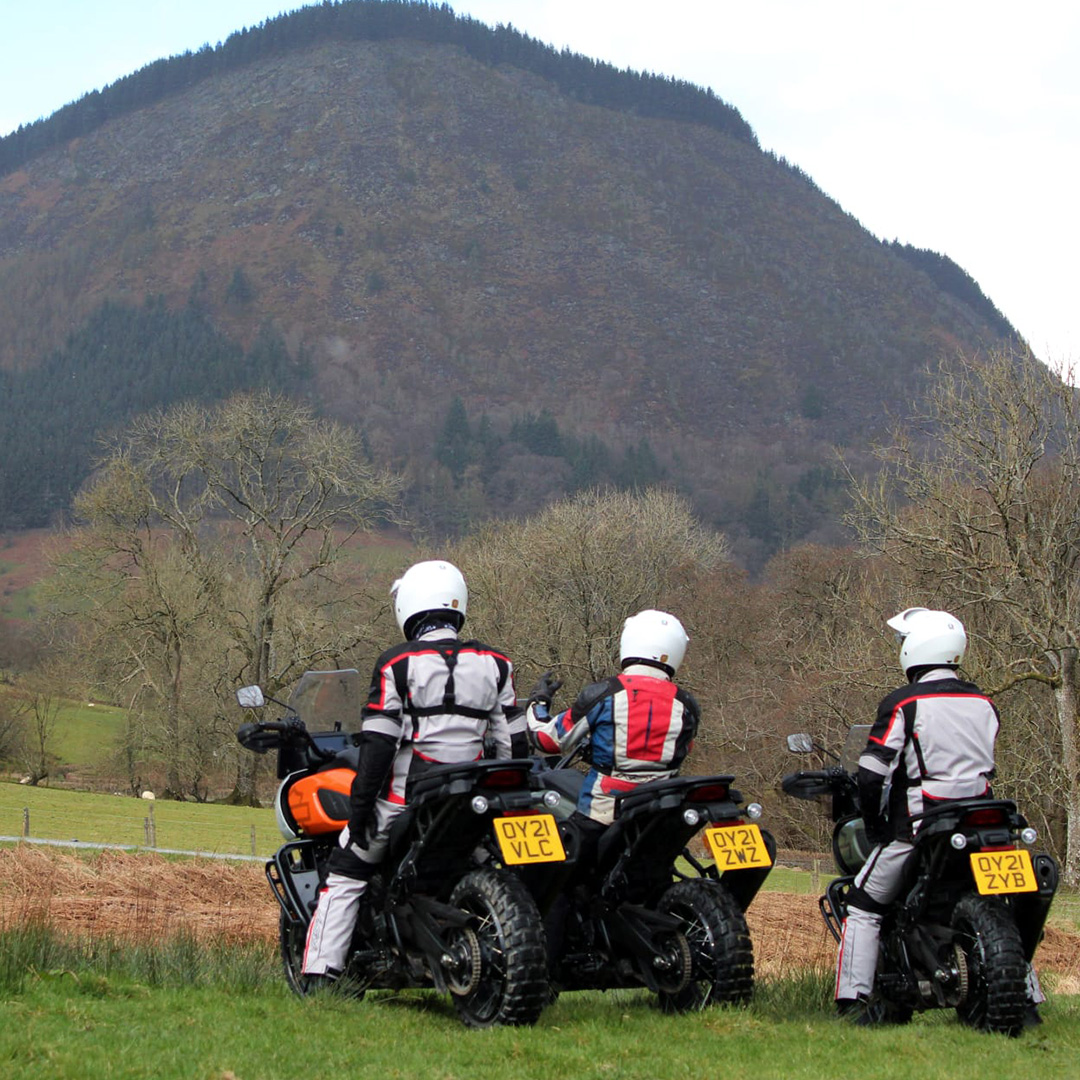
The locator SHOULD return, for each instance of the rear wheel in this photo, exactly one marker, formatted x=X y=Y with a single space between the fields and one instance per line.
x=996 y=968
x=497 y=964
x=715 y=945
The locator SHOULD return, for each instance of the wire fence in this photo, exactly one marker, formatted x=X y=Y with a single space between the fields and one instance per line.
x=91 y=845
x=128 y=825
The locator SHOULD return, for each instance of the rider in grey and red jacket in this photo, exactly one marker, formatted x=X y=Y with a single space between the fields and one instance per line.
x=434 y=699
x=932 y=741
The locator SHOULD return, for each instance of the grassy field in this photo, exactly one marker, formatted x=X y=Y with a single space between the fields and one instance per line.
x=178 y=1011
x=58 y=814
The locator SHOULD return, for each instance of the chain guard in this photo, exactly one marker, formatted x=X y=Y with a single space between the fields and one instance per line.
x=963 y=977
x=464 y=963
x=677 y=977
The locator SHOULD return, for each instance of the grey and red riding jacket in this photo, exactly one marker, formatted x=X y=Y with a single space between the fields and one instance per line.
x=933 y=740
x=432 y=701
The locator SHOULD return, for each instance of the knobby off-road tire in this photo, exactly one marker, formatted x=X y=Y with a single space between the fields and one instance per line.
x=512 y=985
x=997 y=970
x=721 y=954
x=292 y=937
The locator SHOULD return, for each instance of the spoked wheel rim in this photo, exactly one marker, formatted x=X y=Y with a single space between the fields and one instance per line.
x=678 y=962
x=465 y=962
x=496 y=964
x=485 y=992
x=292 y=937
x=721 y=964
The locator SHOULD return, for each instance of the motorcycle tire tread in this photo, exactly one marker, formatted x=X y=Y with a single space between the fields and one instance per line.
x=998 y=971
x=510 y=906
x=727 y=976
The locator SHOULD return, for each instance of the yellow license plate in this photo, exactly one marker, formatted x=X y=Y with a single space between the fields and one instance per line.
x=529 y=838
x=737 y=847
x=999 y=872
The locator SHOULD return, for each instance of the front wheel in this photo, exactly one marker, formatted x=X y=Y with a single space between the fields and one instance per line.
x=292 y=936
x=499 y=962
x=996 y=968
x=715 y=941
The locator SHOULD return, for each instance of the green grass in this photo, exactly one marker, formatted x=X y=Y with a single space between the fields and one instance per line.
x=59 y=814
x=100 y=1011
x=86 y=734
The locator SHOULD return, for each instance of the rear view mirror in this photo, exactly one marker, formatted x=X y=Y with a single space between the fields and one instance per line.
x=800 y=744
x=250 y=697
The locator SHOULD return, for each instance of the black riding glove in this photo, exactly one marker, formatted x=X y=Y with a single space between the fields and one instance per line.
x=546 y=688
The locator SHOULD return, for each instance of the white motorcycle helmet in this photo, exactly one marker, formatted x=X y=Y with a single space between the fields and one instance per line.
x=654 y=637
x=433 y=586
x=929 y=638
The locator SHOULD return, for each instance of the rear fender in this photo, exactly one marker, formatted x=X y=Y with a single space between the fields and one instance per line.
x=1030 y=910
x=744 y=885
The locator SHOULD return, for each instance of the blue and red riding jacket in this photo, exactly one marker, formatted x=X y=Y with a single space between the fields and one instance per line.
x=641 y=726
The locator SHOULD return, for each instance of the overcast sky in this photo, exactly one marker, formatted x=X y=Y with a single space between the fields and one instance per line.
x=952 y=125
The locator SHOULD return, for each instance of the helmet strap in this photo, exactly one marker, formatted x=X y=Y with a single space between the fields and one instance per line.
x=667 y=669
x=914 y=674
x=425 y=621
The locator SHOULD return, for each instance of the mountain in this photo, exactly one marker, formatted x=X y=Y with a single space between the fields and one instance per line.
x=517 y=270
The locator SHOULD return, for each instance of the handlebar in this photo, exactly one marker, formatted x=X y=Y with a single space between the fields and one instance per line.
x=814 y=783
x=265 y=735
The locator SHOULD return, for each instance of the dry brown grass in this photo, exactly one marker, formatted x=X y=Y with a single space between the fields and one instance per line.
x=122 y=895
x=147 y=897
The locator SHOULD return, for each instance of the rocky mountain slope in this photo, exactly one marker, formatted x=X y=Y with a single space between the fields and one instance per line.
x=420 y=227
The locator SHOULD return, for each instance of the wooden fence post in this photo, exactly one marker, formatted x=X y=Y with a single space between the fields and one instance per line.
x=26 y=821
x=252 y=839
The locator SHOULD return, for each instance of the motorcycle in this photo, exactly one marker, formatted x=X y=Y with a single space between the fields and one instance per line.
x=645 y=911
x=444 y=909
x=974 y=901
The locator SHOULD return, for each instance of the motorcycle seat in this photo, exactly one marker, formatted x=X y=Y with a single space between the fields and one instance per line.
x=946 y=814
x=633 y=801
x=464 y=775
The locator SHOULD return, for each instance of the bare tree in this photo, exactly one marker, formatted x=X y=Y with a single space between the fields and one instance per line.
x=36 y=719
x=9 y=728
x=212 y=554
x=990 y=523
x=555 y=589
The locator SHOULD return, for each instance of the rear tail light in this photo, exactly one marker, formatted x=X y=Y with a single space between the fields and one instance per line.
x=989 y=816
x=708 y=793
x=504 y=778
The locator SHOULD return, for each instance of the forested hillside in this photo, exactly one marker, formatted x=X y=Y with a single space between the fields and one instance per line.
x=518 y=271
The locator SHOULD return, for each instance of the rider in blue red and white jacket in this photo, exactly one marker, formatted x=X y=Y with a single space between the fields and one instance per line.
x=640 y=723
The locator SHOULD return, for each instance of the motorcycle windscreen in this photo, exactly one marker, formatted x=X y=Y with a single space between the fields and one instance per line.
x=320 y=803
x=330 y=700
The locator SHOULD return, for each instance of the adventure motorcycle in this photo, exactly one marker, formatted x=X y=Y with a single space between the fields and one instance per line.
x=443 y=910
x=647 y=912
x=963 y=931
